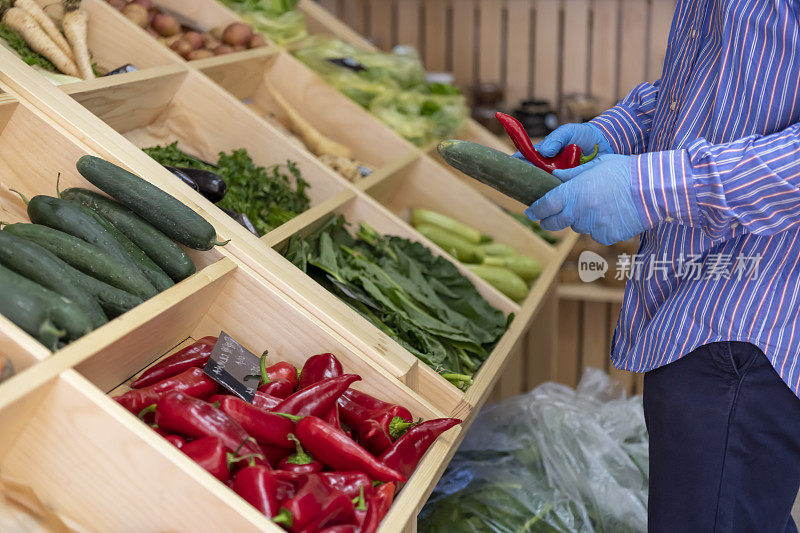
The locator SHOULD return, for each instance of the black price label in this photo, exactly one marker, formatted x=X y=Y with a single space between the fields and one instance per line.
x=234 y=367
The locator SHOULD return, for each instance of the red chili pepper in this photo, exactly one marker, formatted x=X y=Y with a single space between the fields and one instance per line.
x=376 y=429
x=210 y=453
x=290 y=483
x=374 y=404
x=299 y=462
x=570 y=156
x=181 y=413
x=195 y=355
x=314 y=507
x=341 y=528
x=283 y=370
x=316 y=399
x=404 y=455
x=350 y=483
x=265 y=401
x=265 y=427
x=193 y=382
x=175 y=440
x=273 y=454
x=332 y=418
x=279 y=388
x=319 y=367
x=259 y=488
x=340 y=452
x=377 y=507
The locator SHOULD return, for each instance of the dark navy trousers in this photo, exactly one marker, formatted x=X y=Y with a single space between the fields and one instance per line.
x=724 y=443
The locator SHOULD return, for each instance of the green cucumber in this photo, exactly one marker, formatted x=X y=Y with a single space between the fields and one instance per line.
x=497 y=249
x=426 y=216
x=67 y=217
x=85 y=257
x=160 y=209
x=37 y=264
x=455 y=245
x=44 y=314
x=509 y=175
x=151 y=271
x=503 y=280
x=114 y=301
x=524 y=266
x=158 y=247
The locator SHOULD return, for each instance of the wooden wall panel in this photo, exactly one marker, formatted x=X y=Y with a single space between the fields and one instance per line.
x=464 y=42
x=519 y=46
x=490 y=42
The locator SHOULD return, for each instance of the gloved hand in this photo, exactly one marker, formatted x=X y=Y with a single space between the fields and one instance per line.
x=584 y=135
x=595 y=199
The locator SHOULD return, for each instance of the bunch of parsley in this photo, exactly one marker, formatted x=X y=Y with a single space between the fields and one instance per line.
x=268 y=196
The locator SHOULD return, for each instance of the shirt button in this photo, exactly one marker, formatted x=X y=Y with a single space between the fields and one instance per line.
x=669 y=219
x=694 y=34
x=674 y=105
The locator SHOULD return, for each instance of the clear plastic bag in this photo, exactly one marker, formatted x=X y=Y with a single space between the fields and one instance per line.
x=391 y=86
x=554 y=459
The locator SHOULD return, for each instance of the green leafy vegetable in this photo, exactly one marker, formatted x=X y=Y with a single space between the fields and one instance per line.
x=18 y=44
x=390 y=85
x=420 y=300
x=268 y=196
x=274 y=18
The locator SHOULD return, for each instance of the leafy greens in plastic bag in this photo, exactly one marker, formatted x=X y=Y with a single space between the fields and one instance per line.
x=552 y=460
x=390 y=85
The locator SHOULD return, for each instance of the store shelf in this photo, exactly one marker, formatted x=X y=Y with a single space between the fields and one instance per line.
x=246 y=288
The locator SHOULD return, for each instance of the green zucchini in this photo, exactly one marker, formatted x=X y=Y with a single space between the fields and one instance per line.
x=160 y=209
x=37 y=264
x=524 y=266
x=44 y=314
x=85 y=257
x=425 y=216
x=509 y=175
x=158 y=247
x=503 y=280
x=151 y=271
x=497 y=249
x=67 y=217
x=455 y=245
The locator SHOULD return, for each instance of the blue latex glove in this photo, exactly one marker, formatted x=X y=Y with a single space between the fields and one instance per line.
x=595 y=199
x=584 y=135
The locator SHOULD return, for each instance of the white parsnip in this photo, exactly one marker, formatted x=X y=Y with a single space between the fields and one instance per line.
x=316 y=142
x=37 y=13
x=75 y=24
x=39 y=40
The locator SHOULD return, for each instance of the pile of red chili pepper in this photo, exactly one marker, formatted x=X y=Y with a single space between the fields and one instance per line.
x=309 y=452
x=569 y=157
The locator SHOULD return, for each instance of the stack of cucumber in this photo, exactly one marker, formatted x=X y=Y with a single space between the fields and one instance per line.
x=85 y=258
x=499 y=264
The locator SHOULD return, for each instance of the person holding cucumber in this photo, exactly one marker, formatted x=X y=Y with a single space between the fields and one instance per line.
x=704 y=165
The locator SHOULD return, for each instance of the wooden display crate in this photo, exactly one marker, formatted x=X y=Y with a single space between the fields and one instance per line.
x=113 y=41
x=58 y=425
x=103 y=441
x=253 y=74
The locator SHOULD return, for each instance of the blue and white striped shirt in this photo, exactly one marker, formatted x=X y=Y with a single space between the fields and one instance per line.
x=716 y=171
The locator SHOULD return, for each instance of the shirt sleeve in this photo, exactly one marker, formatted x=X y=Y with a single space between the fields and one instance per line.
x=626 y=126
x=753 y=182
